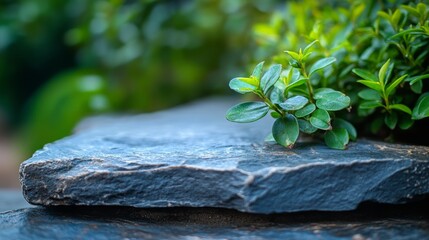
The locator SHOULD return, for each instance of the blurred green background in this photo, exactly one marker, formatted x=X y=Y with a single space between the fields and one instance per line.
x=63 y=60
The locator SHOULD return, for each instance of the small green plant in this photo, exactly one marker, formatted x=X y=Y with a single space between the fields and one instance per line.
x=295 y=101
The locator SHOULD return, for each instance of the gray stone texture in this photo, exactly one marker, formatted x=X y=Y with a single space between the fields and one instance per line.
x=200 y=223
x=190 y=156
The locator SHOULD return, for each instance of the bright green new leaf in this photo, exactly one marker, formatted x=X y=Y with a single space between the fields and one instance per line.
x=320 y=92
x=401 y=107
x=275 y=114
x=309 y=46
x=394 y=84
x=341 y=123
x=306 y=127
x=382 y=73
x=371 y=84
x=286 y=130
x=294 y=55
x=421 y=110
x=305 y=111
x=243 y=85
x=294 y=103
x=337 y=138
x=365 y=75
x=247 y=112
x=333 y=101
x=270 y=77
x=322 y=63
x=320 y=119
x=369 y=94
x=391 y=120
x=257 y=72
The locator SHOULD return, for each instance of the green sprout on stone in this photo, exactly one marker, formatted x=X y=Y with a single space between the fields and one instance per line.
x=294 y=101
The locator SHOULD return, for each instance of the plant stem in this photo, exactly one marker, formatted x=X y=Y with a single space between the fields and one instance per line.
x=307 y=81
x=270 y=104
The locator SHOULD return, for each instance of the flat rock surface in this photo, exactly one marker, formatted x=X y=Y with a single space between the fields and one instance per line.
x=203 y=223
x=190 y=156
x=12 y=199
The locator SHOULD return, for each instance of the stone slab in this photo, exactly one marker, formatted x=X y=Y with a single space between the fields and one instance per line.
x=12 y=199
x=203 y=223
x=190 y=156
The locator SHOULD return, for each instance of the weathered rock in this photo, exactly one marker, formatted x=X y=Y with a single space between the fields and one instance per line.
x=191 y=156
x=199 y=223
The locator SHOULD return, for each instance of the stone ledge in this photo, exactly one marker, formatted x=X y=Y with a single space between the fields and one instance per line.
x=191 y=156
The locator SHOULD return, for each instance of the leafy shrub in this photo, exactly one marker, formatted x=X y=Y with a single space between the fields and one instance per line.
x=381 y=54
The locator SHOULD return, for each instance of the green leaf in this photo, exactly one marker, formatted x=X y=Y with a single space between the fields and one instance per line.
x=320 y=92
x=270 y=77
x=382 y=73
x=417 y=87
x=333 y=101
x=247 y=112
x=376 y=125
x=307 y=110
x=294 y=103
x=337 y=138
x=295 y=84
x=370 y=104
x=421 y=110
x=365 y=74
x=405 y=122
x=415 y=79
x=270 y=138
x=257 y=72
x=373 y=85
x=277 y=96
x=286 y=130
x=243 y=85
x=391 y=120
x=341 y=123
x=294 y=55
x=394 y=84
x=369 y=94
x=309 y=46
x=401 y=107
x=306 y=127
x=405 y=32
x=320 y=119
x=322 y=63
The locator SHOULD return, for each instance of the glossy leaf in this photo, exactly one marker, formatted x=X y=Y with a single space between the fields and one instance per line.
x=337 y=138
x=401 y=107
x=320 y=119
x=394 y=84
x=405 y=122
x=365 y=75
x=369 y=94
x=306 y=127
x=341 y=123
x=257 y=72
x=421 y=110
x=286 y=130
x=294 y=103
x=333 y=101
x=277 y=96
x=243 y=85
x=371 y=84
x=382 y=73
x=270 y=77
x=295 y=84
x=322 y=63
x=305 y=111
x=415 y=79
x=320 y=92
x=309 y=46
x=247 y=112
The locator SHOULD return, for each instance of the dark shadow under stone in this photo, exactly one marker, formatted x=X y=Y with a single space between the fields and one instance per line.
x=369 y=221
